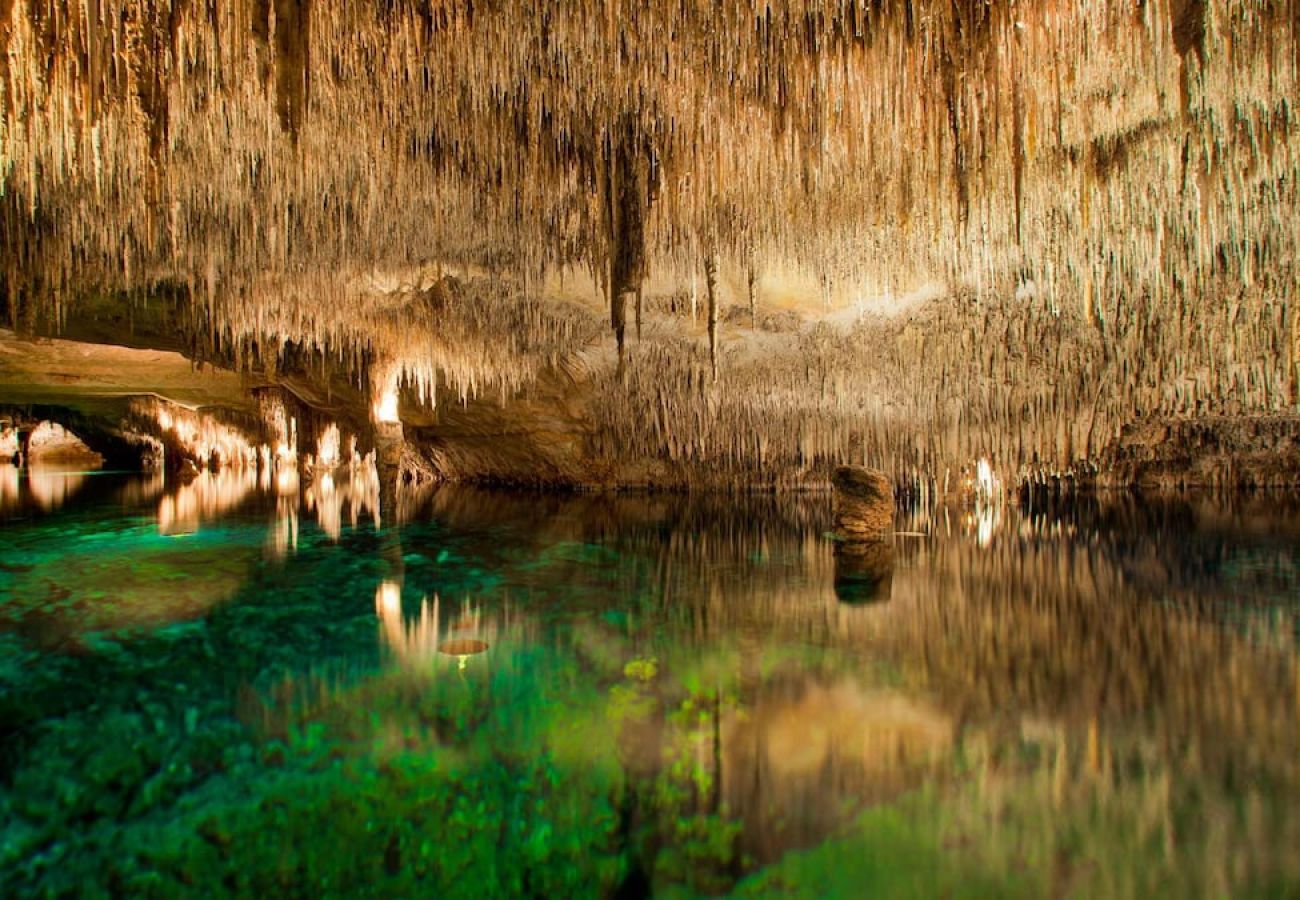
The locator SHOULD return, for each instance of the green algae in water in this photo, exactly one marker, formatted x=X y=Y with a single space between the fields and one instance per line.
x=674 y=703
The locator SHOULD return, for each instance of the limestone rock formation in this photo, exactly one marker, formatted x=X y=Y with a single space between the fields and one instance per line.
x=52 y=444
x=981 y=229
x=864 y=504
x=1233 y=452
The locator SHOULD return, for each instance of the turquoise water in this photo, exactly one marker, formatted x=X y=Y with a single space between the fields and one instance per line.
x=254 y=688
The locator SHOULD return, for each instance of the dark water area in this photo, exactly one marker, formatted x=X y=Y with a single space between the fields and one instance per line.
x=257 y=687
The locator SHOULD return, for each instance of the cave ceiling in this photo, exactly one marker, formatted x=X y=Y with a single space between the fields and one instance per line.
x=476 y=192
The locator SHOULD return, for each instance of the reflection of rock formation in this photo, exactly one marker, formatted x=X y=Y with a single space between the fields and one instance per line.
x=133 y=582
x=864 y=571
x=425 y=640
x=1235 y=550
x=51 y=486
x=46 y=488
x=206 y=497
x=9 y=496
x=800 y=757
x=354 y=489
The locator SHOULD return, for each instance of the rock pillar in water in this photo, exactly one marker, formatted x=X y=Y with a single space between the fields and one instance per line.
x=864 y=504
x=864 y=523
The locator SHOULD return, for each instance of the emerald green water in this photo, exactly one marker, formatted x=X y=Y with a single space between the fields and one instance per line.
x=243 y=688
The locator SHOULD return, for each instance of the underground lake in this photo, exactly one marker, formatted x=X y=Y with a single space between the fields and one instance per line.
x=228 y=686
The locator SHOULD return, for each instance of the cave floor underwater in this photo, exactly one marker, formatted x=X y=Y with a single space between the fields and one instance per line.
x=218 y=687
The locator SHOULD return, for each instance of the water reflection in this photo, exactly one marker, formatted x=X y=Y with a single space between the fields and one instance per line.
x=348 y=495
x=427 y=639
x=206 y=497
x=355 y=494
x=796 y=754
x=9 y=489
x=712 y=644
x=744 y=687
x=44 y=488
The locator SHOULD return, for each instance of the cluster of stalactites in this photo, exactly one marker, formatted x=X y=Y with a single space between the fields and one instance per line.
x=1101 y=149
x=1035 y=393
x=1108 y=190
x=433 y=334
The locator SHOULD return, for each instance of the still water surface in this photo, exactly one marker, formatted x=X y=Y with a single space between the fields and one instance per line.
x=244 y=687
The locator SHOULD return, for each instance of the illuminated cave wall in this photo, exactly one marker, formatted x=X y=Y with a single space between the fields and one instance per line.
x=1101 y=195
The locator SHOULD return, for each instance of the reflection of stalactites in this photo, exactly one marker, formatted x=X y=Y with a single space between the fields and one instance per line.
x=283 y=538
x=208 y=496
x=864 y=571
x=354 y=489
x=51 y=487
x=8 y=487
x=779 y=751
x=415 y=644
x=420 y=643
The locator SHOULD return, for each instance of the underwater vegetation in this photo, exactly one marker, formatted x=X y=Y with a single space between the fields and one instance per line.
x=512 y=699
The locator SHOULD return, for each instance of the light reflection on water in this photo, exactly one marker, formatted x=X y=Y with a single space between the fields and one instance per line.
x=46 y=486
x=1133 y=663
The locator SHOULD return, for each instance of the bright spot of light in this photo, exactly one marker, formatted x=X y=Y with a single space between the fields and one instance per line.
x=388 y=601
x=985 y=481
x=386 y=408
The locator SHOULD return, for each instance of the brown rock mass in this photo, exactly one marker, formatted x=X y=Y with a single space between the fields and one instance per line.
x=864 y=504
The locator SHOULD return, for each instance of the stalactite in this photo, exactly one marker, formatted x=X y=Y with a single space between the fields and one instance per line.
x=753 y=296
x=711 y=281
x=300 y=168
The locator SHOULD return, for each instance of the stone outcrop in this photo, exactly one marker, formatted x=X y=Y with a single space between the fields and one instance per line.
x=52 y=444
x=1235 y=452
x=864 y=523
x=864 y=504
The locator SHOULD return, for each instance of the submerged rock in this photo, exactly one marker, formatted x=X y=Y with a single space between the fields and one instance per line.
x=864 y=503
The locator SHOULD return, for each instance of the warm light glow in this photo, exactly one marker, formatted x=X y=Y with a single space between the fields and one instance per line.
x=327 y=447
x=388 y=601
x=356 y=491
x=986 y=483
x=51 y=487
x=210 y=495
x=386 y=407
x=203 y=437
x=8 y=443
x=8 y=487
x=286 y=480
x=423 y=640
x=985 y=520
